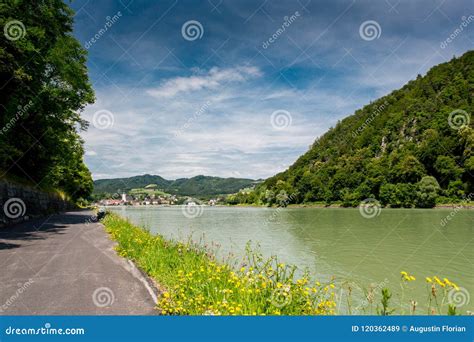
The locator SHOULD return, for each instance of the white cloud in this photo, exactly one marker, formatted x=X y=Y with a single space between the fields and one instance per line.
x=233 y=136
x=214 y=78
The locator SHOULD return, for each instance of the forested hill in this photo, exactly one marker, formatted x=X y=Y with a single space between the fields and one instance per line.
x=195 y=186
x=412 y=147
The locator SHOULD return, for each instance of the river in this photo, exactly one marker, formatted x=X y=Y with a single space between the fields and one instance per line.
x=338 y=243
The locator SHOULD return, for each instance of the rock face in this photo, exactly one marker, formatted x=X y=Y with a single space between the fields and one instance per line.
x=19 y=203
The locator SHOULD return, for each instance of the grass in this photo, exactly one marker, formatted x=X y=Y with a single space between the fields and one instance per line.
x=196 y=284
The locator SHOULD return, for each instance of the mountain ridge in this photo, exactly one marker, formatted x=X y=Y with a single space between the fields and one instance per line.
x=411 y=147
x=197 y=185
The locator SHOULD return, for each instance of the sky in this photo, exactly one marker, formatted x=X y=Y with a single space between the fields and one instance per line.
x=243 y=88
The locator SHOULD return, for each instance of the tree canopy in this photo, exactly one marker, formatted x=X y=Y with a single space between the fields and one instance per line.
x=45 y=87
x=413 y=147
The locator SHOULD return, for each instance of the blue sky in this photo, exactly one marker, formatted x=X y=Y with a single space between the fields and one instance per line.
x=242 y=88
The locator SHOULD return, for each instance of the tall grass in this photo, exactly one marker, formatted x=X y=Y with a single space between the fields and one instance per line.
x=196 y=284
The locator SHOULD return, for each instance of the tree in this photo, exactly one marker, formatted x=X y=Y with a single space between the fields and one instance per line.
x=409 y=170
x=427 y=192
x=44 y=88
x=447 y=169
x=396 y=140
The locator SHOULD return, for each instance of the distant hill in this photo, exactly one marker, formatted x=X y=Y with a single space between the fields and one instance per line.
x=195 y=186
x=413 y=147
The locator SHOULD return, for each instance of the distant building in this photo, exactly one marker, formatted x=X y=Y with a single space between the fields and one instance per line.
x=126 y=198
x=111 y=202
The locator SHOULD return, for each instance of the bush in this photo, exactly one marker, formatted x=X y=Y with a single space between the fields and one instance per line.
x=398 y=195
x=427 y=192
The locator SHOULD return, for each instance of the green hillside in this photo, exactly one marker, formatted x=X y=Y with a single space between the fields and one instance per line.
x=413 y=147
x=195 y=186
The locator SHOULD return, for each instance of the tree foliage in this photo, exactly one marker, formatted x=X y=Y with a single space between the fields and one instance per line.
x=45 y=86
x=402 y=149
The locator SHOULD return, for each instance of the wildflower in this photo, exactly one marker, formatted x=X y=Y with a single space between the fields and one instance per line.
x=439 y=282
x=403 y=273
x=428 y=280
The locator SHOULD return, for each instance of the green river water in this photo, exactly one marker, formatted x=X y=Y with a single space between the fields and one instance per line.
x=337 y=243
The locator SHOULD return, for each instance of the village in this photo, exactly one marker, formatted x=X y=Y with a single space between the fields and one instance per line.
x=153 y=199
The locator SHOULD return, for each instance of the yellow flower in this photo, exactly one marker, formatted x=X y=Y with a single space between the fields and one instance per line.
x=412 y=278
x=440 y=283
x=403 y=273
x=428 y=280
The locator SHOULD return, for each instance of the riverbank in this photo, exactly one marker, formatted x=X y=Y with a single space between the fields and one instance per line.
x=340 y=206
x=195 y=283
x=302 y=206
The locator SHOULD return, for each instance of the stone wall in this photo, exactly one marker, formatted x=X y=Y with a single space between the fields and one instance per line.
x=20 y=202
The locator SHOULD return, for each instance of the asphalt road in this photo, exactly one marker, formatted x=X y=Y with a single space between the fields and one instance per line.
x=65 y=265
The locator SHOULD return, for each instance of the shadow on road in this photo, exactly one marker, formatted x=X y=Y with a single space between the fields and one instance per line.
x=39 y=229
